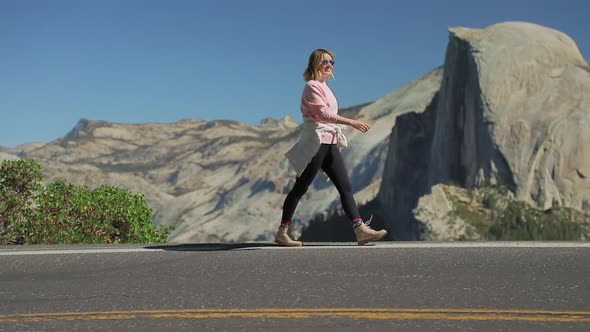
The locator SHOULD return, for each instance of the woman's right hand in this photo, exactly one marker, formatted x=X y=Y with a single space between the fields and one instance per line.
x=360 y=126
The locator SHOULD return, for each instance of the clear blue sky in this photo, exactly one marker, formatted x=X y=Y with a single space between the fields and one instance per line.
x=162 y=61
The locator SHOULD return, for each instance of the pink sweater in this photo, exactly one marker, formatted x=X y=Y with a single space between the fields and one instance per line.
x=319 y=103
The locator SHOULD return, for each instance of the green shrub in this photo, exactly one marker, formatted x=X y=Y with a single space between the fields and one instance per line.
x=490 y=201
x=497 y=215
x=19 y=183
x=521 y=222
x=67 y=213
x=470 y=216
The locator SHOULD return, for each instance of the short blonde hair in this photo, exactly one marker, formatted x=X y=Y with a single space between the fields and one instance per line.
x=312 y=72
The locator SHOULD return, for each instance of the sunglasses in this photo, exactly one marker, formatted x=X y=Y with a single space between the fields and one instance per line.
x=326 y=62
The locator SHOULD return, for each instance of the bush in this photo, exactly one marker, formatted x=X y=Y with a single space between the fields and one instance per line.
x=497 y=215
x=490 y=201
x=67 y=213
x=19 y=183
x=521 y=222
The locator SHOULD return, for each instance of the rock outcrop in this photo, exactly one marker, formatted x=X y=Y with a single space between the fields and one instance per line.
x=436 y=213
x=513 y=108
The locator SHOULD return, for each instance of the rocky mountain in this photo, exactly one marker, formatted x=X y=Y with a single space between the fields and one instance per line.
x=513 y=108
x=221 y=180
x=7 y=153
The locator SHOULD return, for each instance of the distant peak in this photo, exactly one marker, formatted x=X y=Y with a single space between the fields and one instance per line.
x=286 y=121
x=83 y=126
x=270 y=121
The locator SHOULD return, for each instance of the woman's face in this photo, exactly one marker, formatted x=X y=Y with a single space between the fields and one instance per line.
x=326 y=66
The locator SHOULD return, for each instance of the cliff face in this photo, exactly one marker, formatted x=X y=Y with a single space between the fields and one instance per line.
x=513 y=108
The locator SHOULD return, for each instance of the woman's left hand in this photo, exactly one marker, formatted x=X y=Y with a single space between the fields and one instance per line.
x=360 y=126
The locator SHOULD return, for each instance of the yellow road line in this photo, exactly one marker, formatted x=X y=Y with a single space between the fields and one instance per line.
x=302 y=313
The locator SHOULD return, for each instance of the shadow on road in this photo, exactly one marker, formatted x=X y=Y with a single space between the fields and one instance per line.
x=232 y=246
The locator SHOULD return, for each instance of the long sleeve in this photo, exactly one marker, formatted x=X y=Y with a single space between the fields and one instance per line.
x=318 y=102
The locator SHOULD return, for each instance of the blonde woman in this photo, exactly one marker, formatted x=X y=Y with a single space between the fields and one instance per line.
x=319 y=148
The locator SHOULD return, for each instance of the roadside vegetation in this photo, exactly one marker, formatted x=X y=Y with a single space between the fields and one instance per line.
x=62 y=212
x=496 y=215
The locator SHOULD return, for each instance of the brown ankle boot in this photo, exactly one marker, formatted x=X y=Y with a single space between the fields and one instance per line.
x=364 y=233
x=284 y=237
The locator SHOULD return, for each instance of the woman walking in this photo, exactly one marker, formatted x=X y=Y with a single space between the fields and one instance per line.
x=319 y=148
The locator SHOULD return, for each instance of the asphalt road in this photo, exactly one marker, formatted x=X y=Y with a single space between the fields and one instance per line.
x=320 y=287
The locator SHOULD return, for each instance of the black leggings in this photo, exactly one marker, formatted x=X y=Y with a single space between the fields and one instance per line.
x=330 y=161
